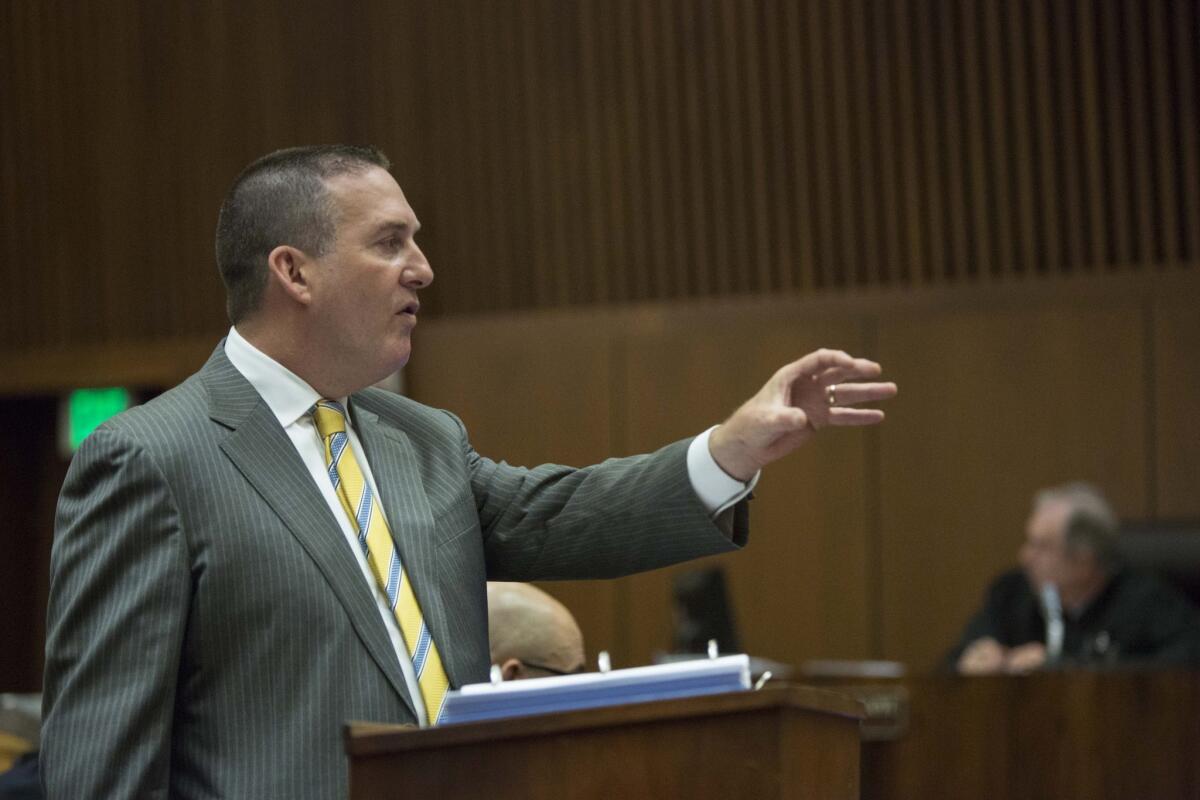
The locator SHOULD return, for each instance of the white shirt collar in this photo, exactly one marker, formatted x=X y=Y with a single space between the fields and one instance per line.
x=287 y=395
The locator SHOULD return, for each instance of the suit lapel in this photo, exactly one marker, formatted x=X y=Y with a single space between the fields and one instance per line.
x=397 y=474
x=264 y=454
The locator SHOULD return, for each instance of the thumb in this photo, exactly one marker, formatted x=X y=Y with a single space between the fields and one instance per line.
x=792 y=419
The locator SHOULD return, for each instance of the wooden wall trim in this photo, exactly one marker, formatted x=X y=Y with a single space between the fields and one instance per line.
x=163 y=363
x=152 y=364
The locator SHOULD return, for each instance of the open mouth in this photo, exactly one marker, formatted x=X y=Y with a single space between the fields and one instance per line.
x=411 y=309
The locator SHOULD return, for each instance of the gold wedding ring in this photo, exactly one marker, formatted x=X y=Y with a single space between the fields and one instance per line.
x=831 y=395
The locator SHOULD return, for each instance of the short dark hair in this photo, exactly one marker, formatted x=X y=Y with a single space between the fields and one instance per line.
x=281 y=198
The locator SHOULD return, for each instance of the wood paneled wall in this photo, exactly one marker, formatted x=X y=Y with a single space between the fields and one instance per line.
x=600 y=151
x=868 y=543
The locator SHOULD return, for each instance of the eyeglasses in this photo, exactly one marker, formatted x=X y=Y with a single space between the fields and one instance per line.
x=553 y=671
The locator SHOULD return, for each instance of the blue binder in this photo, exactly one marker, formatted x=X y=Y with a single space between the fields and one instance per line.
x=485 y=701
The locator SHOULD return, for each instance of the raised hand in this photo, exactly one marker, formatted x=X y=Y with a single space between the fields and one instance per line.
x=801 y=398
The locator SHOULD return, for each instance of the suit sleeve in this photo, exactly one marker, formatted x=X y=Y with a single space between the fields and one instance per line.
x=119 y=590
x=622 y=516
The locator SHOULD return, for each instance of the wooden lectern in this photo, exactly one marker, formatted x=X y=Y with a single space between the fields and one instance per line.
x=781 y=742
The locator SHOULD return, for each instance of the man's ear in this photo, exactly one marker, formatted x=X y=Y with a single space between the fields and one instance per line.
x=289 y=269
x=512 y=670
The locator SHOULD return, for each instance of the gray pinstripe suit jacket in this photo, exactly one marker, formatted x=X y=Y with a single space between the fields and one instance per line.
x=209 y=630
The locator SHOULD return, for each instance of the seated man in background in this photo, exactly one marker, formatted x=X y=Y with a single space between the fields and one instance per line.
x=530 y=634
x=1073 y=602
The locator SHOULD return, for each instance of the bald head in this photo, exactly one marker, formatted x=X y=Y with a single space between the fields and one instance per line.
x=531 y=634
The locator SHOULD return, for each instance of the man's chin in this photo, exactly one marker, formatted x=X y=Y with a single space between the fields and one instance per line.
x=391 y=378
x=398 y=354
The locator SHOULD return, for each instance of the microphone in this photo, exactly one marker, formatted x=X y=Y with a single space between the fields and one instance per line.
x=1052 y=607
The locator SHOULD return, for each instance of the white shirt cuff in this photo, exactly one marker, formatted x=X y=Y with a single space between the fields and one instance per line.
x=715 y=488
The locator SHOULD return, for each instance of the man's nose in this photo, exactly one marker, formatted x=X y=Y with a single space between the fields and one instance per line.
x=417 y=274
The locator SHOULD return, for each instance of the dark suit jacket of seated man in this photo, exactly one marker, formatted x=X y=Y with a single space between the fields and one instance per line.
x=214 y=615
x=1135 y=621
x=1109 y=614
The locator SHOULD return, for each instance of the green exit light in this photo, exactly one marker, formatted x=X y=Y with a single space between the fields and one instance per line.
x=87 y=408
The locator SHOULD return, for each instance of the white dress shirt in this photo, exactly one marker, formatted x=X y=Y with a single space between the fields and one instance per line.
x=290 y=399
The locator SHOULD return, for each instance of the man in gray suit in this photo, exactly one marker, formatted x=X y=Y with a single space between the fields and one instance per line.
x=217 y=604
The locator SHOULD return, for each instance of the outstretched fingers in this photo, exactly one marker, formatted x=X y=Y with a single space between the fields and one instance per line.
x=815 y=363
x=857 y=369
x=855 y=416
x=848 y=394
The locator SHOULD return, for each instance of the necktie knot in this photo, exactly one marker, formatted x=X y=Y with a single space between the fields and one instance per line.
x=329 y=417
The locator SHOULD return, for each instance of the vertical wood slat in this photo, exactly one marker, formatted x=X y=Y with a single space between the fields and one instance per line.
x=703 y=174
x=717 y=163
x=1166 y=212
x=775 y=34
x=798 y=102
x=113 y=284
x=977 y=145
x=15 y=62
x=929 y=128
x=729 y=128
x=457 y=198
x=910 y=160
x=599 y=242
x=488 y=91
x=579 y=192
x=1094 y=184
x=662 y=134
x=559 y=125
x=823 y=187
x=532 y=287
x=1120 y=213
x=865 y=222
x=1001 y=155
x=109 y=284
x=654 y=59
x=885 y=136
x=1048 y=162
x=759 y=247
x=846 y=223
x=631 y=168
x=430 y=206
x=1074 y=141
x=617 y=232
x=952 y=53
x=701 y=223
x=1143 y=232
x=689 y=229
x=1025 y=198
x=1186 y=67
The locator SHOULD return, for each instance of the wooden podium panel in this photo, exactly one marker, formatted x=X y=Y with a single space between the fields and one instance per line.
x=1120 y=735
x=783 y=742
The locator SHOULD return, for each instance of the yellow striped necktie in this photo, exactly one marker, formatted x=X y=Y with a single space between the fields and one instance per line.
x=376 y=540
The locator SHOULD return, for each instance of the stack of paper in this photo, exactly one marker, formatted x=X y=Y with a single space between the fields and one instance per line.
x=482 y=701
